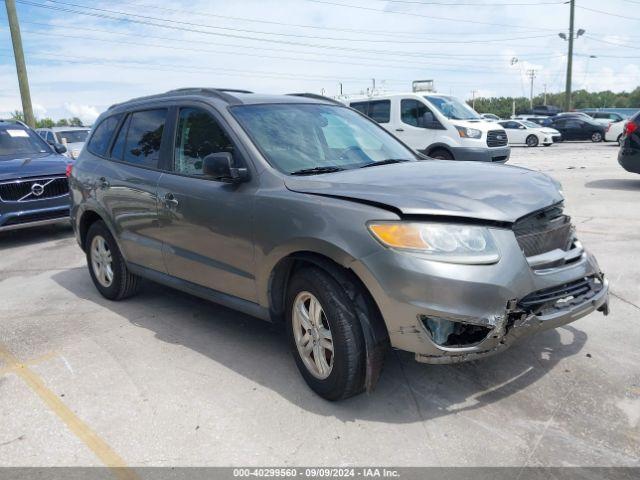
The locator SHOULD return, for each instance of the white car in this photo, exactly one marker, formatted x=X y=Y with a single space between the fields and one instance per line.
x=614 y=132
x=439 y=126
x=71 y=137
x=490 y=117
x=524 y=132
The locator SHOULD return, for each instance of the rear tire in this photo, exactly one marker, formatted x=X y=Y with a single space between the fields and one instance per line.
x=532 y=141
x=107 y=268
x=596 y=137
x=333 y=374
x=441 y=154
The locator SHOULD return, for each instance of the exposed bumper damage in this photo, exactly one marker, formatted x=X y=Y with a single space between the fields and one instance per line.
x=460 y=341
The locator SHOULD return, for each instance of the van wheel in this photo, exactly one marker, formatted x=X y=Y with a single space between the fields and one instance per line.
x=325 y=335
x=532 y=141
x=441 y=154
x=596 y=137
x=107 y=268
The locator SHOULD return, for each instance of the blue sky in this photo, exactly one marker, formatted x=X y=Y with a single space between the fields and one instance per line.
x=83 y=55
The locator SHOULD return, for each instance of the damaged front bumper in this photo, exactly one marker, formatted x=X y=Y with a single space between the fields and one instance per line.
x=450 y=313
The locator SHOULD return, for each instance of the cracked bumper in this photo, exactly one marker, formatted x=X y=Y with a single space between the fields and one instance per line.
x=408 y=288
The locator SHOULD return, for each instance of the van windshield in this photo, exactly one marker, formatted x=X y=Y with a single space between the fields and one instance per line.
x=453 y=108
x=306 y=139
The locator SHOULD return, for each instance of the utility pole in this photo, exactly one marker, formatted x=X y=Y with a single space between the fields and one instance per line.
x=567 y=92
x=21 y=67
x=473 y=99
x=545 y=93
x=531 y=74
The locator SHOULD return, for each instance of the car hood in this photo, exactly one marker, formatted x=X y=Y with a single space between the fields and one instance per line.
x=35 y=166
x=474 y=190
x=551 y=131
x=481 y=124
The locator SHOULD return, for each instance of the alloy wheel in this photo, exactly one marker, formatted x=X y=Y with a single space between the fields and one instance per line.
x=101 y=261
x=312 y=335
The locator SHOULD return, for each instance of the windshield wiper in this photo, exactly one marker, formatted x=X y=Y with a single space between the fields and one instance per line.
x=388 y=161
x=317 y=170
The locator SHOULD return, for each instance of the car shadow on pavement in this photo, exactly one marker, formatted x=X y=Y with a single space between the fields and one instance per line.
x=257 y=350
x=615 y=184
x=34 y=235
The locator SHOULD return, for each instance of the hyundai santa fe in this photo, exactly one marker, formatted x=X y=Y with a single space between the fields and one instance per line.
x=300 y=210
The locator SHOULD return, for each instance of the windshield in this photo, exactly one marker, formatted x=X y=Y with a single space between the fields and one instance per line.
x=16 y=141
x=73 y=136
x=529 y=124
x=296 y=138
x=453 y=108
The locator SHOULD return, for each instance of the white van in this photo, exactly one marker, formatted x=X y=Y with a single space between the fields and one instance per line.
x=440 y=126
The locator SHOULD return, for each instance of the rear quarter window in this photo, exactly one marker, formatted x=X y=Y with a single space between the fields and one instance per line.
x=102 y=135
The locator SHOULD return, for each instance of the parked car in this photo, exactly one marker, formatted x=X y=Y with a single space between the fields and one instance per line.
x=548 y=110
x=297 y=209
x=614 y=132
x=529 y=133
x=605 y=117
x=490 y=117
x=33 y=184
x=578 y=128
x=439 y=126
x=629 y=154
x=581 y=115
x=542 y=121
x=72 y=137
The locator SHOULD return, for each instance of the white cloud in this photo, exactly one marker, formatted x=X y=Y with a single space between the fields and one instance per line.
x=86 y=113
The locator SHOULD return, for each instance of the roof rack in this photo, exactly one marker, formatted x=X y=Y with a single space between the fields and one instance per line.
x=315 y=97
x=221 y=93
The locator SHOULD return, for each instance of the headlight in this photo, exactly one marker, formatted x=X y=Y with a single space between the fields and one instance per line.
x=442 y=242
x=466 y=132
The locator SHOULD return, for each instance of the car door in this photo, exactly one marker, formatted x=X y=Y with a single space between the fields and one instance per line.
x=206 y=224
x=410 y=127
x=127 y=184
x=514 y=132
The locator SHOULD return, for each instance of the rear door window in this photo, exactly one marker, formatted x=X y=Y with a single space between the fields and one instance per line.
x=412 y=112
x=144 y=138
x=101 y=138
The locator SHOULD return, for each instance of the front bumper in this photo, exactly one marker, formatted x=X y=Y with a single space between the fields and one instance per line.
x=27 y=216
x=411 y=291
x=479 y=154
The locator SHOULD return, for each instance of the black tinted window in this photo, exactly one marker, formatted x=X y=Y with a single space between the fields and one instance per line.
x=101 y=137
x=197 y=136
x=412 y=112
x=378 y=110
x=118 y=146
x=144 y=136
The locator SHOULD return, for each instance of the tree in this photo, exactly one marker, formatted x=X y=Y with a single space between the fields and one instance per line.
x=75 y=122
x=45 y=123
x=17 y=115
x=63 y=122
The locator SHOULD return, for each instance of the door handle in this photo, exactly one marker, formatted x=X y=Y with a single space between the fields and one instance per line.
x=399 y=129
x=170 y=200
x=103 y=183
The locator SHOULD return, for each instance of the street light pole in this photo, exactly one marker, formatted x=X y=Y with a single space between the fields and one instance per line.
x=567 y=92
x=21 y=67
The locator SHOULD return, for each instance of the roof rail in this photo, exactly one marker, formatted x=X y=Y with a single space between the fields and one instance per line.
x=221 y=93
x=315 y=96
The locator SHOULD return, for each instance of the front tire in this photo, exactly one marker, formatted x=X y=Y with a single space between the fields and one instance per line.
x=107 y=268
x=532 y=141
x=596 y=137
x=441 y=154
x=325 y=335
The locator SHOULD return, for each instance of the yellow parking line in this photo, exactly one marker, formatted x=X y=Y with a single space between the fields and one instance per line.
x=98 y=446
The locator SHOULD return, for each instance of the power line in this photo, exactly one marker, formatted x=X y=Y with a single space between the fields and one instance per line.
x=626 y=17
x=433 y=17
x=293 y=35
x=226 y=35
x=417 y=2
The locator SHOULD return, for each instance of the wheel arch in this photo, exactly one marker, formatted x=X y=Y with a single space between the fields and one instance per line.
x=438 y=146
x=372 y=323
x=87 y=218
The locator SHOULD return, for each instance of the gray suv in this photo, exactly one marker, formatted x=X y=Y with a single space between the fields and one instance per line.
x=297 y=209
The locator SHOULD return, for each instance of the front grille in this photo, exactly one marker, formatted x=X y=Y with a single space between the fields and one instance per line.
x=544 y=231
x=496 y=138
x=36 y=217
x=561 y=296
x=33 y=189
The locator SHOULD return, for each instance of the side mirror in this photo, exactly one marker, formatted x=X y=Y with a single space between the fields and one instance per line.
x=220 y=166
x=428 y=120
x=59 y=148
x=522 y=127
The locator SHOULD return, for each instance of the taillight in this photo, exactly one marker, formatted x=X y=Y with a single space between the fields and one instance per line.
x=68 y=170
x=630 y=128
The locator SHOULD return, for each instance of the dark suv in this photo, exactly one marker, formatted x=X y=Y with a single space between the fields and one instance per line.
x=296 y=208
x=629 y=153
x=33 y=184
